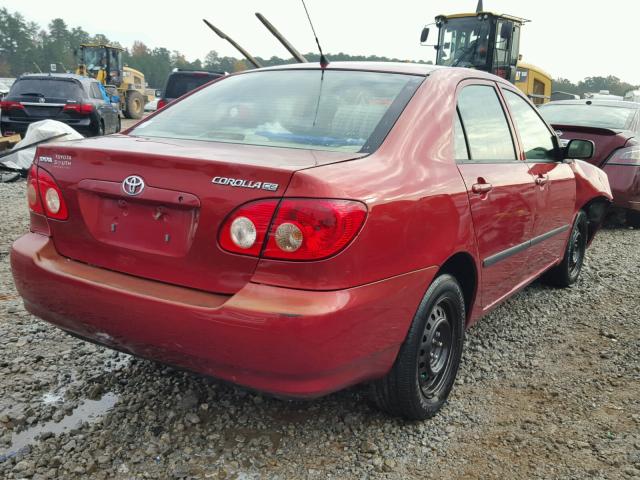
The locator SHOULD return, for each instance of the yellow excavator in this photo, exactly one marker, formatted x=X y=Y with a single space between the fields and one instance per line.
x=104 y=63
x=490 y=42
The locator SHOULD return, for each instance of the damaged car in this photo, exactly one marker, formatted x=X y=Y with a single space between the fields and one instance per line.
x=614 y=127
x=299 y=229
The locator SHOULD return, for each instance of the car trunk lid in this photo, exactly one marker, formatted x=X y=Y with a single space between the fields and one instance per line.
x=606 y=140
x=168 y=230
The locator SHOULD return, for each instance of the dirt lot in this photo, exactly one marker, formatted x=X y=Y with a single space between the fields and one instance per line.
x=127 y=122
x=549 y=388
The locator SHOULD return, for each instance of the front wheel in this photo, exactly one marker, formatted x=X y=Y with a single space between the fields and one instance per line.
x=567 y=272
x=424 y=371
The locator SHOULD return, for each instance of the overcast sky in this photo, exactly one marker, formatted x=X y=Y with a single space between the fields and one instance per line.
x=565 y=38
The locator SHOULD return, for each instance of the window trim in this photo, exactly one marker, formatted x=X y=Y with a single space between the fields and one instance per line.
x=554 y=138
x=515 y=140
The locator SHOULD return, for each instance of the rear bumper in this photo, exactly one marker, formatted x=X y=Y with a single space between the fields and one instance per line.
x=286 y=342
x=625 y=185
x=83 y=125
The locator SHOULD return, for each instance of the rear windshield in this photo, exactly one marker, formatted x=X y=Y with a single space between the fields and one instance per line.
x=178 y=85
x=49 y=88
x=583 y=115
x=330 y=110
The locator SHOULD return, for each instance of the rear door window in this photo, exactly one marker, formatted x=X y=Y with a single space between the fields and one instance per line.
x=485 y=125
x=50 y=88
x=95 y=91
x=180 y=84
x=534 y=134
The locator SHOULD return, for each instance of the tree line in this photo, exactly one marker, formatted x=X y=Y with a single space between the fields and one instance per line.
x=26 y=47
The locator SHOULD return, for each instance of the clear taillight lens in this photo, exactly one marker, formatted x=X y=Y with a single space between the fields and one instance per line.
x=312 y=229
x=626 y=156
x=245 y=229
x=302 y=228
x=51 y=198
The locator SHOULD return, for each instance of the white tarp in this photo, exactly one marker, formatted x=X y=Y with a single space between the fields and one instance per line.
x=36 y=132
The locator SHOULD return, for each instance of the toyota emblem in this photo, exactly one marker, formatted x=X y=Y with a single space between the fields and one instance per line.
x=133 y=185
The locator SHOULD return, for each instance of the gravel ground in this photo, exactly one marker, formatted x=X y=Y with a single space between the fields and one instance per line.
x=549 y=388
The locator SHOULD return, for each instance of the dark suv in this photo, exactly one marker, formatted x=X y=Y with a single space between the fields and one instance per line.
x=181 y=82
x=81 y=103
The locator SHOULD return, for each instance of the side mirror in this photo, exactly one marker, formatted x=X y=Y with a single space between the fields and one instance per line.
x=579 y=149
x=424 y=35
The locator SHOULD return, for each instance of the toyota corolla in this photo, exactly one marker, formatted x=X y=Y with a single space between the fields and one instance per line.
x=299 y=229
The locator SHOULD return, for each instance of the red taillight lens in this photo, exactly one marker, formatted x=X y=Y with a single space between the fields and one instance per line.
x=626 y=156
x=161 y=103
x=81 y=108
x=9 y=104
x=33 y=197
x=303 y=228
x=245 y=229
x=51 y=196
x=312 y=229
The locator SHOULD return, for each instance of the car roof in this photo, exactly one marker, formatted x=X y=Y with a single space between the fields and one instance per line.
x=199 y=72
x=47 y=76
x=391 y=67
x=409 y=68
x=597 y=102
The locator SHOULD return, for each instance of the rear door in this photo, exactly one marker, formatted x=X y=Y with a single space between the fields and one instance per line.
x=499 y=186
x=555 y=184
x=104 y=109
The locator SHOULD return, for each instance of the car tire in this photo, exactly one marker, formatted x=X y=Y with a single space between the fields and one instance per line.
x=567 y=272
x=633 y=219
x=135 y=105
x=425 y=369
x=99 y=131
x=118 y=125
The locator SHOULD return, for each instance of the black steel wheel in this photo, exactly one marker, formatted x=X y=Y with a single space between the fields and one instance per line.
x=566 y=273
x=426 y=367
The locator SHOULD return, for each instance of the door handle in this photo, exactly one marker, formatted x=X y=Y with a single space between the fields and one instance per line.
x=481 y=187
x=542 y=179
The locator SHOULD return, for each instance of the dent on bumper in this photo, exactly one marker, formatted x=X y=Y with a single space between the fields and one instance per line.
x=288 y=342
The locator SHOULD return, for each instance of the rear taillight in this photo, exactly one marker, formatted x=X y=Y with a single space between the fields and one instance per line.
x=302 y=229
x=11 y=105
x=626 y=156
x=311 y=229
x=33 y=197
x=161 y=103
x=80 y=108
x=245 y=229
x=44 y=195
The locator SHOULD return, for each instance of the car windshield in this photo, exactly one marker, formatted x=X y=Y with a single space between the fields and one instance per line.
x=464 y=42
x=179 y=84
x=47 y=87
x=583 y=115
x=314 y=109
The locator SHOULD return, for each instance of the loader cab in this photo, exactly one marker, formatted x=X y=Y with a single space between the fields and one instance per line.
x=484 y=41
x=102 y=62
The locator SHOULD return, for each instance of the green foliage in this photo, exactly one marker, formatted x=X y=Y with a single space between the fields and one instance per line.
x=593 y=85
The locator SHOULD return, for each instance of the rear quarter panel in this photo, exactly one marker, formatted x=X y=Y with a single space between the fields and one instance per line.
x=418 y=207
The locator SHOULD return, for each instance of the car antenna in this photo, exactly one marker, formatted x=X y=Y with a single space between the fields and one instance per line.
x=323 y=60
x=222 y=35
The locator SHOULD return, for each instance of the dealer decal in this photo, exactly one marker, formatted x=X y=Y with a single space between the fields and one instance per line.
x=242 y=183
x=58 y=160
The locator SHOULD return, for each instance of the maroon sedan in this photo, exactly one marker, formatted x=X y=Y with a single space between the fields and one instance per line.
x=614 y=127
x=298 y=230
